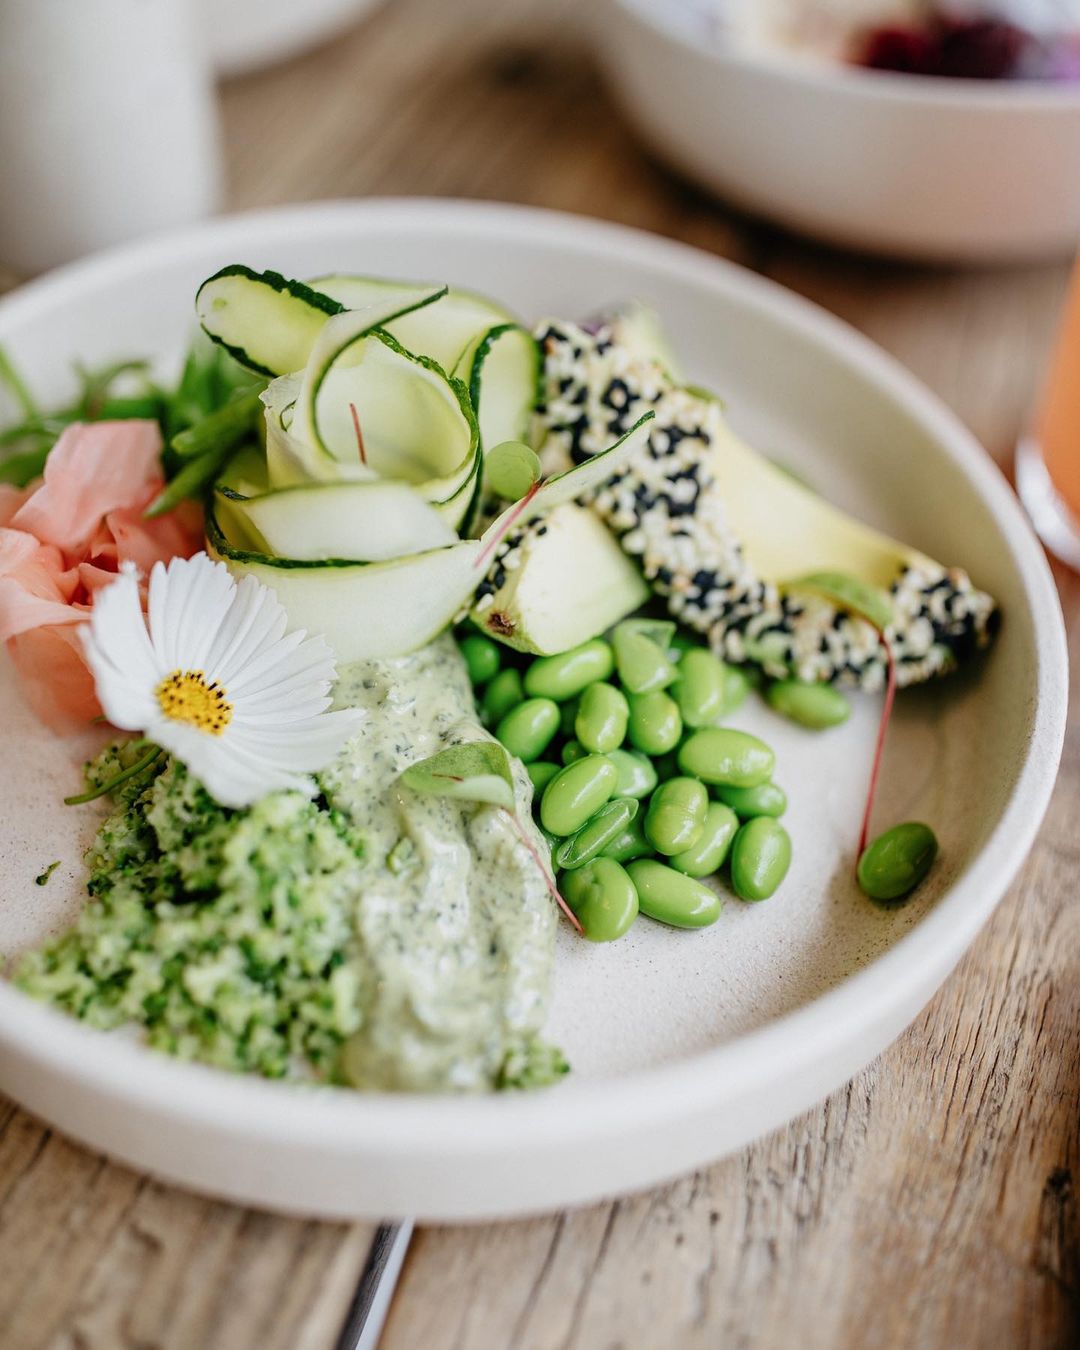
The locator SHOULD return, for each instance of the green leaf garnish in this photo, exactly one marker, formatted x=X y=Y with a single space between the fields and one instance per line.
x=510 y=469
x=861 y=597
x=478 y=772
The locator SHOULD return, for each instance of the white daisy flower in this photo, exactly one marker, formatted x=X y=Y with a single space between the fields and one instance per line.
x=215 y=680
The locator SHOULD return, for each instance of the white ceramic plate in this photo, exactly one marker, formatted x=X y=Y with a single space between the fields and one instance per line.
x=902 y=164
x=684 y=1045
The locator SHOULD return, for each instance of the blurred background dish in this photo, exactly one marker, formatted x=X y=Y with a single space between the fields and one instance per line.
x=909 y=165
x=245 y=35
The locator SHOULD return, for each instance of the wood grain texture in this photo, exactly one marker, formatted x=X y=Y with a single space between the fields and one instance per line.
x=932 y=1202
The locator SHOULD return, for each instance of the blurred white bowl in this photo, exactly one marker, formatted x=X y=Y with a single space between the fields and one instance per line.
x=244 y=35
x=913 y=166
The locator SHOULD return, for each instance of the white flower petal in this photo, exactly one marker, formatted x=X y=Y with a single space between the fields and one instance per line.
x=306 y=746
x=256 y=622
x=119 y=654
x=277 y=685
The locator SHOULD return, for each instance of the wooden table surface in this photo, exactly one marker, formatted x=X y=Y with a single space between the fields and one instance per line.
x=930 y=1202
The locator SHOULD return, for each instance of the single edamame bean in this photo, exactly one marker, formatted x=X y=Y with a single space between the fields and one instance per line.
x=573 y=750
x=595 y=835
x=895 y=862
x=699 y=690
x=568 y=716
x=760 y=858
x=541 y=772
x=576 y=792
x=603 y=897
x=643 y=665
x=528 y=729
x=636 y=776
x=721 y=755
x=767 y=799
x=503 y=693
x=602 y=718
x=482 y=657
x=630 y=843
x=676 y=815
x=736 y=687
x=655 y=724
x=566 y=675
x=816 y=706
x=712 y=845
x=671 y=897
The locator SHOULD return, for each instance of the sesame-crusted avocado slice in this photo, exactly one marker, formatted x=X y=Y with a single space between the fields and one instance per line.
x=558 y=582
x=726 y=537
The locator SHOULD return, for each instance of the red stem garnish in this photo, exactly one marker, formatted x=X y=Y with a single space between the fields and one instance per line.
x=359 y=433
x=548 y=878
x=879 y=749
x=508 y=524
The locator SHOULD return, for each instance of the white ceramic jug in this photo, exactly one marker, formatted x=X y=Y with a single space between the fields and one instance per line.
x=108 y=125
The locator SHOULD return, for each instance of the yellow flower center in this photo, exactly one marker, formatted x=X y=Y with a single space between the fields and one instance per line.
x=186 y=696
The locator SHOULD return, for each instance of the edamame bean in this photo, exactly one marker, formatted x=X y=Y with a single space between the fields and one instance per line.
x=635 y=775
x=503 y=693
x=760 y=858
x=721 y=755
x=482 y=657
x=895 y=862
x=602 y=718
x=566 y=675
x=541 y=771
x=671 y=897
x=603 y=897
x=712 y=845
x=529 y=729
x=737 y=684
x=655 y=723
x=676 y=815
x=630 y=843
x=576 y=792
x=767 y=799
x=816 y=706
x=642 y=664
x=573 y=750
x=595 y=835
x=568 y=716
x=699 y=690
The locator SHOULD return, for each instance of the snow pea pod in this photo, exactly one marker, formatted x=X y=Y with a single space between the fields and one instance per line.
x=576 y=792
x=816 y=706
x=655 y=722
x=602 y=718
x=672 y=898
x=676 y=815
x=895 y=862
x=603 y=897
x=712 y=845
x=721 y=755
x=529 y=728
x=566 y=675
x=760 y=858
x=595 y=835
x=630 y=843
x=767 y=799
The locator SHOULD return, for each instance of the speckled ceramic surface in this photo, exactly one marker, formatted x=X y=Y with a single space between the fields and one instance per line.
x=684 y=1045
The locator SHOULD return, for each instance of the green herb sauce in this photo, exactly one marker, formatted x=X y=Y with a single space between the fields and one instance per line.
x=373 y=937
